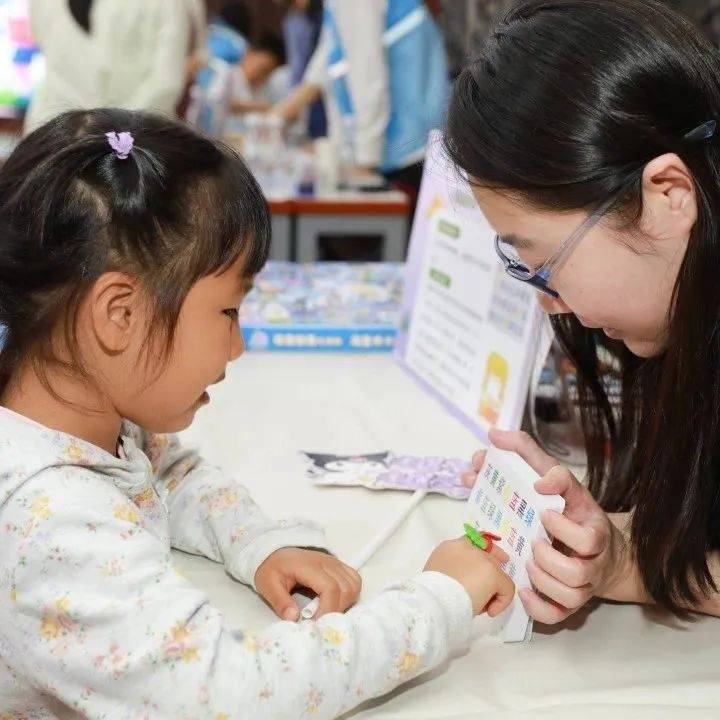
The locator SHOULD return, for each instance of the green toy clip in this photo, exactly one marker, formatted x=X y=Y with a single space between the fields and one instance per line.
x=482 y=540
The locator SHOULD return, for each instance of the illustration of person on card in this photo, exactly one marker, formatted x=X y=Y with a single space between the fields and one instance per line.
x=494 y=386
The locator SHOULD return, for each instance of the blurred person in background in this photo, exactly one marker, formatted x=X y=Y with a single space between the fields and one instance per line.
x=382 y=68
x=301 y=30
x=261 y=78
x=230 y=29
x=210 y=96
x=131 y=54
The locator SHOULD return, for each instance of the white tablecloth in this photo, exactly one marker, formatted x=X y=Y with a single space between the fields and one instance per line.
x=622 y=661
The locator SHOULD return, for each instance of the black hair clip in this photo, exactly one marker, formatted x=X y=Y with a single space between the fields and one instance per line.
x=702 y=132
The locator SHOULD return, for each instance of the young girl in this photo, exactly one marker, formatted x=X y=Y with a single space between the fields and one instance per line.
x=588 y=129
x=127 y=245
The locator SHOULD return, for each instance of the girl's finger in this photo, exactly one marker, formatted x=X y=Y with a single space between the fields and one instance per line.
x=585 y=540
x=525 y=447
x=326 y=587
x=347 y=595
x=478 y=460
x=499 y=555
x=541 y=610
x=579 y=503
x=468 y=478
x=571 y=571
x=274 y=589
x=353 y=579
x=564 y=596
x=503 y=597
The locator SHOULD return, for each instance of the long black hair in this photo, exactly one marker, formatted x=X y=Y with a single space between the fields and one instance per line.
x=568 y=102
x=80 y=10
x=178 y=208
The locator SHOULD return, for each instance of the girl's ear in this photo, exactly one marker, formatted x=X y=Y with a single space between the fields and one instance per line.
x=114 y=306
x=669 y=201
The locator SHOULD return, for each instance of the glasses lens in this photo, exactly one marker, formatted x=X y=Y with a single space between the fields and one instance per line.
x=513 y=263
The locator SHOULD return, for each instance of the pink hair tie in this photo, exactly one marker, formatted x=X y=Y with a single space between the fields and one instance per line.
x=122 y=143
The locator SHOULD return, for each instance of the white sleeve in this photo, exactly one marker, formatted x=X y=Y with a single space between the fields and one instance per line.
x=94 y=615
x=162 y=87
x=213 y=515
x=316 y=73
x=361 y=27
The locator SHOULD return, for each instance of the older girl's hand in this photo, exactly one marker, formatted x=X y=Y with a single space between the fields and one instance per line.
x=587 y=553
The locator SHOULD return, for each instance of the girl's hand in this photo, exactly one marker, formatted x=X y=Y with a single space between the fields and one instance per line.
x=337 y=585
x=588 y=551
x=489 y=588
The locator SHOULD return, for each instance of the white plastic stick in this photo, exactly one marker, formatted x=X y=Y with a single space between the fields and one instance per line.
x=373 y=546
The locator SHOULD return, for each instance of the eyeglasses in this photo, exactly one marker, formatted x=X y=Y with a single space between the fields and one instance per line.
x=540 y=278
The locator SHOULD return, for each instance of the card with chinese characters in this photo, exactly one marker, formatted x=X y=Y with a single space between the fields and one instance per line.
x=504 y=501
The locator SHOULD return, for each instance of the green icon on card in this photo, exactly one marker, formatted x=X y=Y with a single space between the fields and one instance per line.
x=449 y=229
x=440 y=277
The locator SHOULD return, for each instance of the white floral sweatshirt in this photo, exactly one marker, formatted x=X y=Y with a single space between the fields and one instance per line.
x=93 y=615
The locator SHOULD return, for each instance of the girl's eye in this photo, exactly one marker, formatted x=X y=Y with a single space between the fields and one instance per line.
x=232 y=313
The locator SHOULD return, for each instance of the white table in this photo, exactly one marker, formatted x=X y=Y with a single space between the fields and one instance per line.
x=607 y=662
